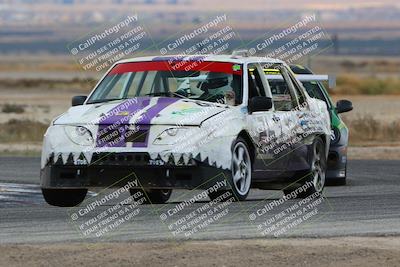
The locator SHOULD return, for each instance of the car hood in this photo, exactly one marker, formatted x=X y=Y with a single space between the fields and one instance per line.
x=143 y=110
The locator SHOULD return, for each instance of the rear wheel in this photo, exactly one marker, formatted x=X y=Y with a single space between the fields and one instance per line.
x=313 y=181
x=240 y=180
x=337 y=182
x=64 y=197
x=154 y=196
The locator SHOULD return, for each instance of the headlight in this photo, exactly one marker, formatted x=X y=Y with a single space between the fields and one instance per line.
x=171 y=136
x=79 y=135
x=335 y=135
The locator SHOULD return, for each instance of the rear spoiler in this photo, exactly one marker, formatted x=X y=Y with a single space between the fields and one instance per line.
x=308 y=78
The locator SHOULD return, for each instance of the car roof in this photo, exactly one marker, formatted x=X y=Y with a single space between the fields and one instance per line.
x=216 y=58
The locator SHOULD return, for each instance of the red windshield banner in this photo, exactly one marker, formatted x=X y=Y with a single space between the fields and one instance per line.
x=224 y=67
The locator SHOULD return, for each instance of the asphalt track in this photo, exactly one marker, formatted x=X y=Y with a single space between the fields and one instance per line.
x=368 y=206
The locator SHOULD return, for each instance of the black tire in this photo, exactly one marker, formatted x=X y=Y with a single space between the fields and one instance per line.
x=64 y=197
x=336 y=182
x=154 y=196
x=240 y=178
x=313 y=179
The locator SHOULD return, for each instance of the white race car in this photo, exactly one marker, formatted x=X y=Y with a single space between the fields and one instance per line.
x=188 y=122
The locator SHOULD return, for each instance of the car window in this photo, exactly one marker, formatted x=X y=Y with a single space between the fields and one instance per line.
x=134 y=83
x=254 y=82
x=313 y=90
x=299 y=92
x=282 y=96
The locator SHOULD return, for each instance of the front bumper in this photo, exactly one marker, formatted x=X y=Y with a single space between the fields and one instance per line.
x=337 y=162
x=116 y=169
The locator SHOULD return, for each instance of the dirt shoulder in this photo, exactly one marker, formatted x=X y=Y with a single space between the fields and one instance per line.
x=374 y=152
x=346 y=251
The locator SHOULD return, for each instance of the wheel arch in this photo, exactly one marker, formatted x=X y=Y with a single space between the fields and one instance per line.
x=325 y=140
x=245 y=135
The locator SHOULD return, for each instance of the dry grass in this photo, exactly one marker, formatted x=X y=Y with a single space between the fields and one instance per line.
x=48 y=84
x=22 y=131
x=373 y=66
x=346 y=84
x=356 y=85
x=367 y=129
x=13 y=108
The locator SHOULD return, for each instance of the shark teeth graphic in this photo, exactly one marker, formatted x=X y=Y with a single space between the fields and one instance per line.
x=202 y=157
x=179 y=159
x=197 y=157
x=186 y=159
x=88 y=156
x=57 y=159
x=50 y=159
x=153 y=155
x=70 y=159
x=64 y=157
x=165 y=156
x=171 y=159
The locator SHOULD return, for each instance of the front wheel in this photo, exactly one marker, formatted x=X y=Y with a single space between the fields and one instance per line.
x=64 y=197
x=154 y=196
x=240 y=179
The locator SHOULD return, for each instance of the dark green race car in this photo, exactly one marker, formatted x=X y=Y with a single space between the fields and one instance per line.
x=337 y=157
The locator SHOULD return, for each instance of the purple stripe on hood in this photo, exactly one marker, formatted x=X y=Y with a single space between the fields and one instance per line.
x=152 y=112
x=114 y=126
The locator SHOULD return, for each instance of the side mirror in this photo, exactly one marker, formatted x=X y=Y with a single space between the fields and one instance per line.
x=260 y=103
x=78 y=100
x=344 y=106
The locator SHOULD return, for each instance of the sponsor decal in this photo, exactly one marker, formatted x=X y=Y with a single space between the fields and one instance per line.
x=236 y=67
x=186 y=111
x=123 y=113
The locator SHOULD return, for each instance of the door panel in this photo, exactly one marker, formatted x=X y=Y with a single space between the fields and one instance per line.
x=264 y=127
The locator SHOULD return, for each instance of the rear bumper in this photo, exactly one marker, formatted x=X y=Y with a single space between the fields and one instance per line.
x=337 y=161
x=119 y=168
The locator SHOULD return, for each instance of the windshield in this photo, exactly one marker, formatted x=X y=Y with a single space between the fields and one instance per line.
x=208 y=81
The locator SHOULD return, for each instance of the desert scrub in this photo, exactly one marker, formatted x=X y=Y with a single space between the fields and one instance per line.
x=13 y=108
x=366 y=129
x=22 y=131
x=352 y=85
x=83 y=85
